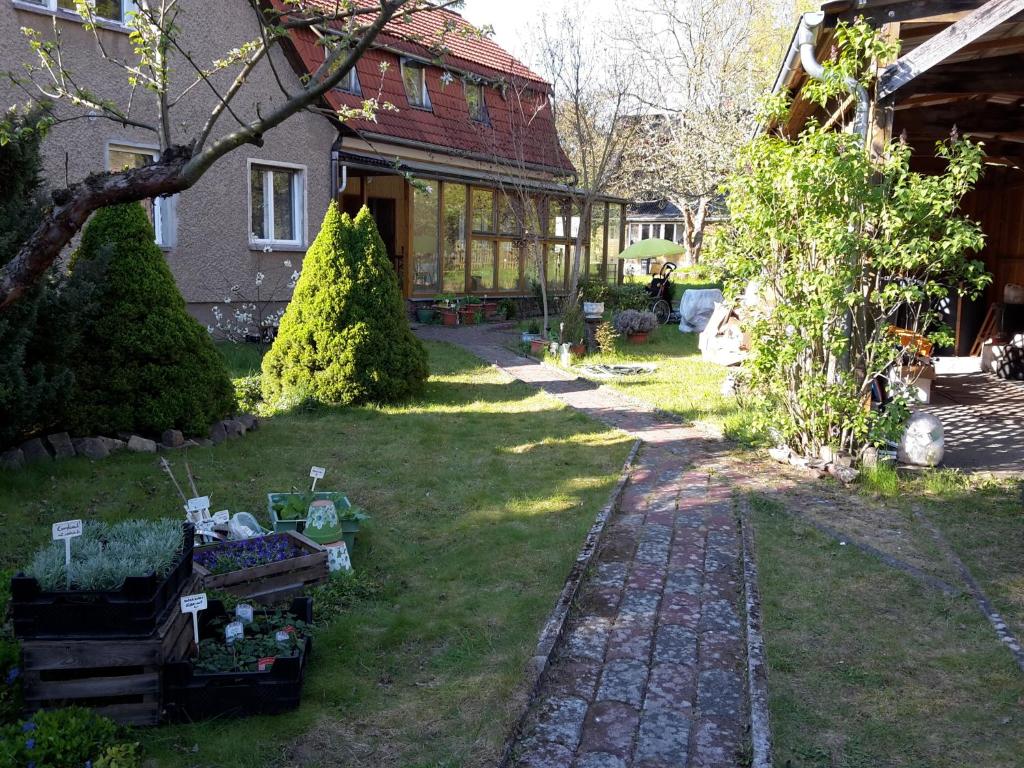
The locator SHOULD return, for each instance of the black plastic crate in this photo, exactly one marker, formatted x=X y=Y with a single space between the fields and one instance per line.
x=135 y=610
x=192 y=696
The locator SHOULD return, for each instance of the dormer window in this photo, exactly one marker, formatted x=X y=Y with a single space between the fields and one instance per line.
x=414 y=77
x=350 y=83
x=475 y=101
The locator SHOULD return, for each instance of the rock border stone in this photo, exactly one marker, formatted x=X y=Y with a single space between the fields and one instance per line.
x=60 y=445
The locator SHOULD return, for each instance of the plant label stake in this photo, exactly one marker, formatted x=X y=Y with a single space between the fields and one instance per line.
x=194 y=604
x=65 y=532
x=317 y=473
x=222 y=517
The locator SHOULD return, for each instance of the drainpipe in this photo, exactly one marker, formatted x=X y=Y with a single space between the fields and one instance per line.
x=806 y=38
x=339 y=175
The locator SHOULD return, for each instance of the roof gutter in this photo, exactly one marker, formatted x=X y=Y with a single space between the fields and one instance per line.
x=805 y=41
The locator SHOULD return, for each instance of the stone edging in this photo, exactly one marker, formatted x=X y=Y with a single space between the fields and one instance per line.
x=60 y=445
x=757 y=670
x=555 y=624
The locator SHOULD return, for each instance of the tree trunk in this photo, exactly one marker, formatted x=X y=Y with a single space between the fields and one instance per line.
x=693 y=229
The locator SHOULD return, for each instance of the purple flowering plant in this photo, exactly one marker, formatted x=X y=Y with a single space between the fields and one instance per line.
x=228 y=556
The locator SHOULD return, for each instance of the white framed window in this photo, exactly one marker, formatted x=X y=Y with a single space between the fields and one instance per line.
x=475 y=101
x=414 y=77
x=161 y=210
x=277 y=204
x=350 y=83
x=107 y=10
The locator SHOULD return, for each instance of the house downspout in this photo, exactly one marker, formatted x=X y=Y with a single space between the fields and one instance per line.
x=806 y=38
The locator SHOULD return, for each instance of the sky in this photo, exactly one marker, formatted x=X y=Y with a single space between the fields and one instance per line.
x=512 y=19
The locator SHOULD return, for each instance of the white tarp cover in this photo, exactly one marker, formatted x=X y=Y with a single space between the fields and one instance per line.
x=696 y=307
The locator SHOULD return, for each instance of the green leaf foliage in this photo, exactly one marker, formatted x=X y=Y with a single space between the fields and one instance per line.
x=33 y=340
x=143 y=363
x=344 y=338
x=66 y=738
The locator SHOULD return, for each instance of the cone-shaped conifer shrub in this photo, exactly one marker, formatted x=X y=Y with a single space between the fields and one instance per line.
x=344 y=338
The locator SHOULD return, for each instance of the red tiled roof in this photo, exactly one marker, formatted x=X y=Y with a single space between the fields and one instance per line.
x=465 y=48
x=521 y=127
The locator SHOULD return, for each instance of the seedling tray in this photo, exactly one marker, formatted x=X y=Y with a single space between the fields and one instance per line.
x=135 y=610
x=341 y=502
x=193 y=696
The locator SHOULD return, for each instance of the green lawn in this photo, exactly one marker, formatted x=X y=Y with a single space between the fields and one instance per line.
x=480 y=492
x=869 y=669
x=683 y=384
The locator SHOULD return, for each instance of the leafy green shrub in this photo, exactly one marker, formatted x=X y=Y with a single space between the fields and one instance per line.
x=606 y=337
x=507 y=309
x=574 y=327
x=838 y=261
x=64 y=738
x=629 y=296
x=248 y=393
x=105 y=555
x=342 y=591
x=143 y=363
x=34 y=339
x=344 y=338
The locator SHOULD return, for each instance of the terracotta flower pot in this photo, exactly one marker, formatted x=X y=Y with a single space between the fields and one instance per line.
x=468 y=315
x=579 y=350
x=490 y=309
x=638 y=338
x=537 y=346
x=450 y=317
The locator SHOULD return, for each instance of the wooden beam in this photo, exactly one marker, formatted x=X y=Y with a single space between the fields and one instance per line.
x=946 y=43
x=902 y=10
x=882 y=114
x=971 y=116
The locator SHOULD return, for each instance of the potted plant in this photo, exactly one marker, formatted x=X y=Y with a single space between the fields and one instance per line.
x=123 y=581
x=573 y=330
x=636 y=326
x=448 y=306
x=425 y=315
x=264 y=568
x=471 y=313
x=506 y=309
x=489 y=307
x=260 y=672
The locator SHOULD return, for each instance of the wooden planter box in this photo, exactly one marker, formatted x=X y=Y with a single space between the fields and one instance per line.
x=135 y=609
x=118 y=678
x=272 y=582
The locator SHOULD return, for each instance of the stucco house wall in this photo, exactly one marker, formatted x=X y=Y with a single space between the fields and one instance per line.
x=211 y=251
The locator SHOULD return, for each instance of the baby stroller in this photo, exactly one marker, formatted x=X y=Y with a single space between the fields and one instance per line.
x=660 y=292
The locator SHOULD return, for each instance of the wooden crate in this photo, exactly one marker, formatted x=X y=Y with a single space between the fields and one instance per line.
x=120 y=679
x=273 y=582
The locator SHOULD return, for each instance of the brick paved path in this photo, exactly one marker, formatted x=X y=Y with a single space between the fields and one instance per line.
x=651 y=668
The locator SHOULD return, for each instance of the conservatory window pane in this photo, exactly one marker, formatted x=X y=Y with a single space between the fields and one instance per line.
x=481 y=277
x=508 y=220
x=555 y=266
x=424 y=238
x=531 y=267
x=454 y=238
x=614 y=226
x=597 y=241
x=483 y=210
x=508 y=266
x=556 y=218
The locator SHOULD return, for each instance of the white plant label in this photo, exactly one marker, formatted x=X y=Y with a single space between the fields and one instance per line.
x=317 y=473
x=233 y=631
x=66 y=531
x=243 y=612
x=194 y=604
x=222 y=517
x=281 y=636
x=198 y=504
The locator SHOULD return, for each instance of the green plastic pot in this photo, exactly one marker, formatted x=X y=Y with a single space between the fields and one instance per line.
x=425 y=315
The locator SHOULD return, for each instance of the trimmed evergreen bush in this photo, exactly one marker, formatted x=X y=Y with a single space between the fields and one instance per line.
x=344 y=338
x=143 y=363
x=33 y=340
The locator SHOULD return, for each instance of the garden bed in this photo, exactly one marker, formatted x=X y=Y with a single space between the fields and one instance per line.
x=135 y=609
x=267 y=569
x=194 y=693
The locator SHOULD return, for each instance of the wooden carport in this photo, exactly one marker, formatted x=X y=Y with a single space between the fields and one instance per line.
x=960 y=66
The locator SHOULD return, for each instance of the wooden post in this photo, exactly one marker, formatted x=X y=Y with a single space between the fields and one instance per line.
x=882 y=112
